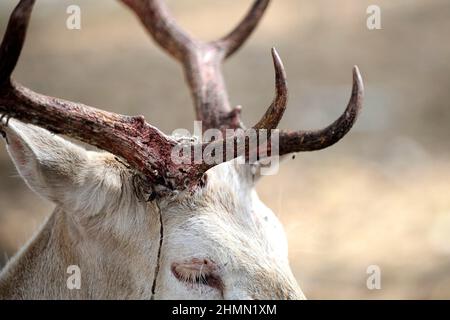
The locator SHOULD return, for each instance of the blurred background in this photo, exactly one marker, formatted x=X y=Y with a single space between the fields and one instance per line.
x=378 y=197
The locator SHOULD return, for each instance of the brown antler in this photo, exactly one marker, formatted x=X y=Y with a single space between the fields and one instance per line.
x=142 y=145
x=202 y=61
x=296 y=141
x=202 y=65
x=147 y=149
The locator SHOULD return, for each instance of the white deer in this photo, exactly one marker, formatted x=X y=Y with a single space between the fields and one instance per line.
x=135 y=223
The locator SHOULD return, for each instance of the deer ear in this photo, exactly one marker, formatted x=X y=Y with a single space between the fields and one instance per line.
x=48 y=163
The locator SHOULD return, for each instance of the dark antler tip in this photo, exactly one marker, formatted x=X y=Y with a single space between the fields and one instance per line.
x=23 y=7
x=276 y=110
x=14 y=38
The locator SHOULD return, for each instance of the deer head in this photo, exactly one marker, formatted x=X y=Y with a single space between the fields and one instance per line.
x=138 y=223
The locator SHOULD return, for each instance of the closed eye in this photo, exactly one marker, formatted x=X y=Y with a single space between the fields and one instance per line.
x=200 y=272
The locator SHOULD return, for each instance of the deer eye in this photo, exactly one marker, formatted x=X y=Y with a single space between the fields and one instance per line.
x=198 y=272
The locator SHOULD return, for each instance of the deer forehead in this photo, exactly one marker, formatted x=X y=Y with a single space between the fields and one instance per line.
x=224 y=220
x=227 y=210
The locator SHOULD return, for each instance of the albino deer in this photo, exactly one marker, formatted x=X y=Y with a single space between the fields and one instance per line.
x=136 y=223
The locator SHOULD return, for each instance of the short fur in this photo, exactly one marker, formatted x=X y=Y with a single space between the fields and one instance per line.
x=102 y=225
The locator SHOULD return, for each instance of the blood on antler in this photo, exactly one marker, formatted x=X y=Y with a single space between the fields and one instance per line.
x=143 y=146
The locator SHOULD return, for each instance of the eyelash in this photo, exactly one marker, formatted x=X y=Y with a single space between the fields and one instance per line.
x=198 y=273
x=192 y=277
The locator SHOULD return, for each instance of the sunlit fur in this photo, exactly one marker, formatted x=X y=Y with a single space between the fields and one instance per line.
x=101 y=225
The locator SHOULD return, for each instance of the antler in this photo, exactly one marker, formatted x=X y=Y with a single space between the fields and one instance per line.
x=202 y=62
x=143 y=146
x=202 y=66
x=296 y=141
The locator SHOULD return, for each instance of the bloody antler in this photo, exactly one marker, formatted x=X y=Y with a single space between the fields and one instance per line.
x=202 y=61
x=142 y=145
x=202 y=64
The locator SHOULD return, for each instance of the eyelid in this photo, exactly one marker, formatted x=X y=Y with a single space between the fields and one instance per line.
x=198 y=271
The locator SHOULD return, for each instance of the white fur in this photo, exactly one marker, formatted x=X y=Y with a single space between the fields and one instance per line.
x=101 y=225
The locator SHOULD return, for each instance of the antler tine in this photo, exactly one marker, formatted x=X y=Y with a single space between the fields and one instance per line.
x=156 y=18
x=14 y=38
x=147 y=149
x=293 y=141
x=276 y=110
x=143 y=146
x=201 y=61
x=170 y=36
x=297 y=141
x=236 y=38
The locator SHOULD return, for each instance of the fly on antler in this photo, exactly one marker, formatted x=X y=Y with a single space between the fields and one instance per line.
x=142 y=145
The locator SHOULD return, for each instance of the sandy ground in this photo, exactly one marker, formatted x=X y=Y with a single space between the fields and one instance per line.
x=379 y=197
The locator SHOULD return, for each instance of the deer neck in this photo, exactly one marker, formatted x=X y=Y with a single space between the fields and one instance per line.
x=44 y=267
